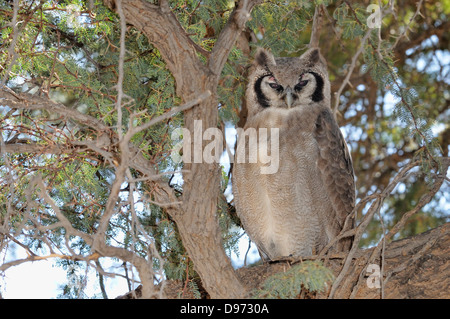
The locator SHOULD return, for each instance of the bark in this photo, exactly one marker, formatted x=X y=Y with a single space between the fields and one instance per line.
x=414 y=268
x=417 y=267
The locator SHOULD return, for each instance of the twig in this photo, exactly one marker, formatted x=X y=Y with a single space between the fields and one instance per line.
x=33 y=257
x=101 y=281
x=10 y=181
x=333 y=26
x=401 y=90
x=419 y=5
x=187 y=279
x=34 y=102
x=422 y=202
x=383 y=249
x=134 y=130
x=365 y=222
x=123 y=28
x=246 y=253
x=350 y=70
x=11 y=50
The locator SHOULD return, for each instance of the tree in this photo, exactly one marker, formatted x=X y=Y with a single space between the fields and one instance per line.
x=93 y=94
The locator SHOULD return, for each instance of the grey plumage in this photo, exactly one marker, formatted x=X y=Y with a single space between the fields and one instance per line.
x=304 y=205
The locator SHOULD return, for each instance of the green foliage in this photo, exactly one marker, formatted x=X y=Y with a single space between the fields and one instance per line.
x=351 y=20
x=309 y=275
x=275 y=18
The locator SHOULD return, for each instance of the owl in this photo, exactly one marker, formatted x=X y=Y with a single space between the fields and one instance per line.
x=298 y=209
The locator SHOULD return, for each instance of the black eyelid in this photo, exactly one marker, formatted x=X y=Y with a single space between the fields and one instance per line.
x=300 y=85
x=276 y=86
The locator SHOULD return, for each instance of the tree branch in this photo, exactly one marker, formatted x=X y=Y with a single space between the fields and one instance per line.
x=376 y=205
x=316 y=27
x=350 y=70
x=119 y=85
x=173 y=111
x=228 y=36
x=164 y=31
x=408 y=27
x=35 y=102
x=11 y=50
x=416 y=267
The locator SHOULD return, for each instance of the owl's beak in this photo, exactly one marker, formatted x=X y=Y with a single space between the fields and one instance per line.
x=288 y=98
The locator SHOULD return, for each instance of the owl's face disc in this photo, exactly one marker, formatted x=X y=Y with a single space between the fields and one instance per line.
x=286 y=82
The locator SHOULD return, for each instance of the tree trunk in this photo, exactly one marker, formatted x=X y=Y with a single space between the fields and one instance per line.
x=196 y=219
x=198 y=224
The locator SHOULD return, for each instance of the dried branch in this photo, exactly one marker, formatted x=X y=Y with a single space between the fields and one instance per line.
x=408 y=27
x=374 y=208
x=376 y=205
x=405 y=217
x=172 y=112
x=352 y=66
x=98 y=244
x=35 y=102
x=34 y=257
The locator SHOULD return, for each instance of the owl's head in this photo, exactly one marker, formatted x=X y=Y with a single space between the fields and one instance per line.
x=287 y=82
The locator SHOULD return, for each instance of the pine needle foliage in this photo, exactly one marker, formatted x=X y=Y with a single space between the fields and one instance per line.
x=311 y=275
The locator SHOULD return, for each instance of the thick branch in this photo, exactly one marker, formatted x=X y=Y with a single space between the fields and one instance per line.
x=229 y=35
x=164 y=31
x=415 y=267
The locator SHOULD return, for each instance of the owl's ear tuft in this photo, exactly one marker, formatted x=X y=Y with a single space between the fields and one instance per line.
x=264 y=58
x=312 y=56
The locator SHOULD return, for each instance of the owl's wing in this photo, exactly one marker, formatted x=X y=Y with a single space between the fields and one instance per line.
x=336 y=169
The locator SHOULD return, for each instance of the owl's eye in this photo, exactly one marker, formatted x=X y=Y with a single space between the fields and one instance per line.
x=300 y=85
x=275 y=86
